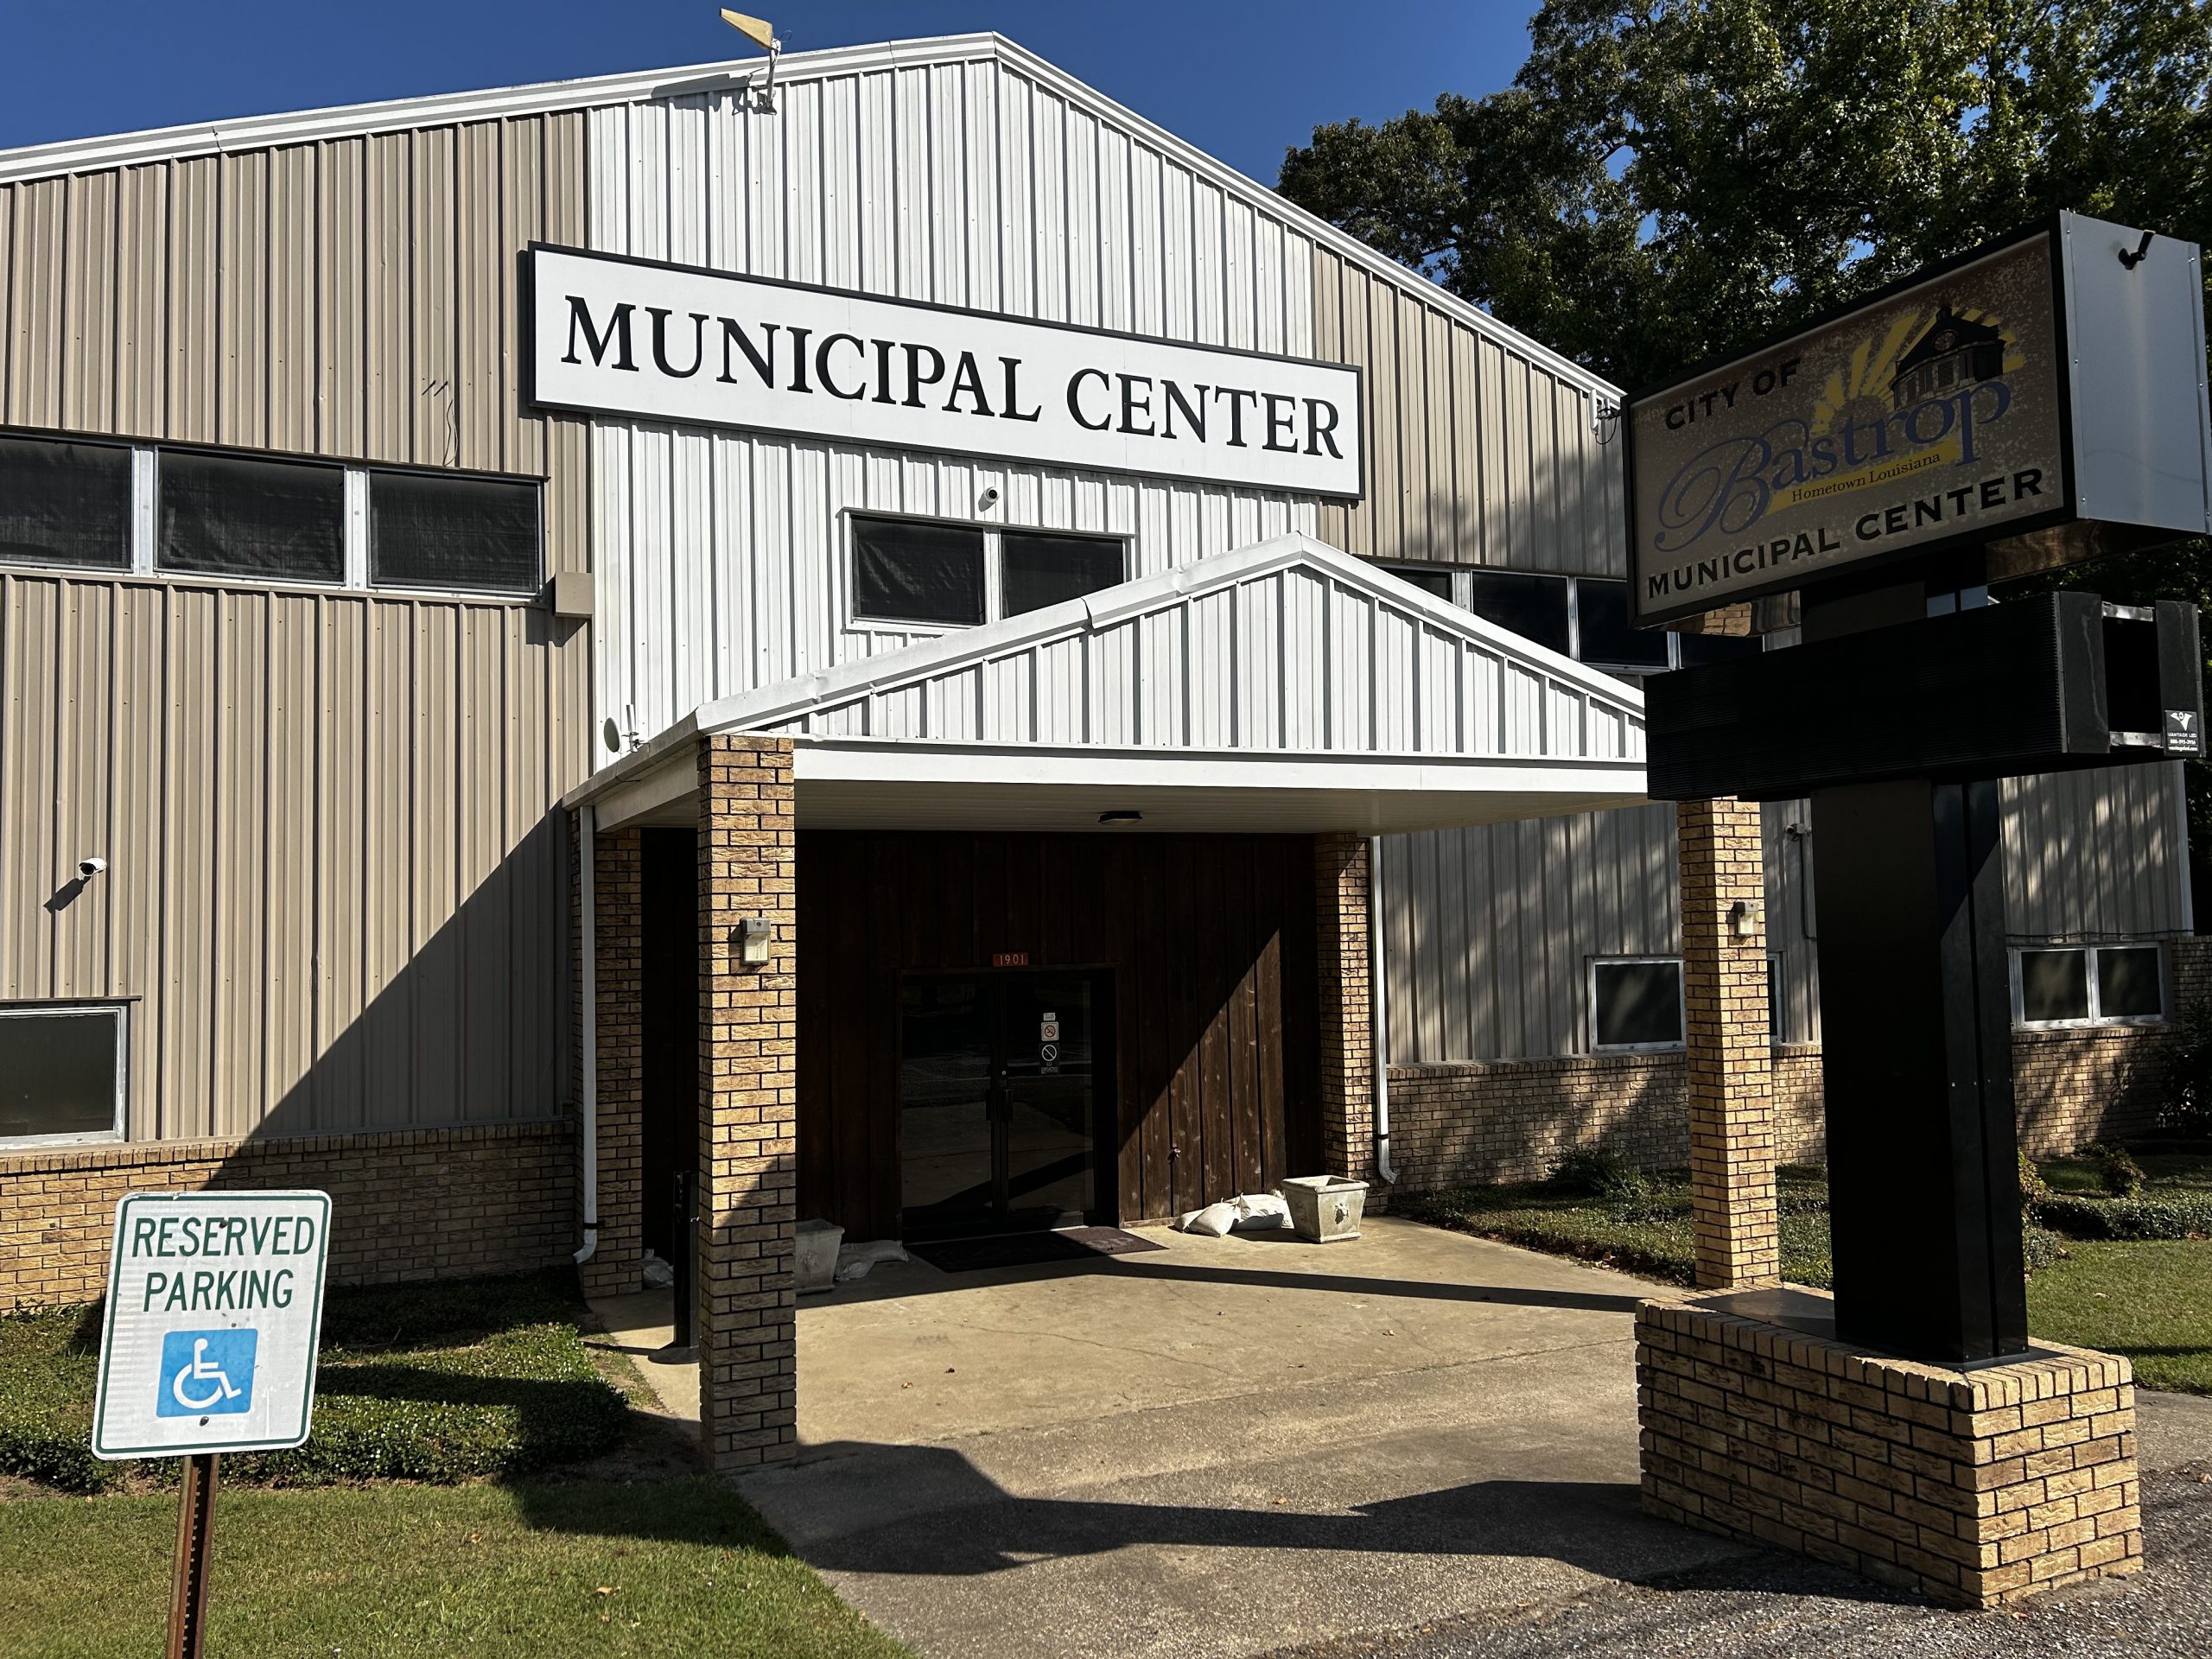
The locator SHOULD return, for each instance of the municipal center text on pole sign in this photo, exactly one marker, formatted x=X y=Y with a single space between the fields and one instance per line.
x=214 y=1306
x=674 y=343
x=1930 y=416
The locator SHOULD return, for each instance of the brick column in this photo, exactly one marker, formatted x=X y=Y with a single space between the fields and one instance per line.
x=748 y=1086
x=1347 y=1030
x=617 y=1266
x=1730 y=1051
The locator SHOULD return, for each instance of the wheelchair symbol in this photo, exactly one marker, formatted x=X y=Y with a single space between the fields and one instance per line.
x=206 y=1373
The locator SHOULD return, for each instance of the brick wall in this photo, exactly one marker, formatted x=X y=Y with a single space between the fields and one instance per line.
x=618 y=991
x=415 y=1204
x=1975 y=1488
x=749 y=1082
x=1347 y=1012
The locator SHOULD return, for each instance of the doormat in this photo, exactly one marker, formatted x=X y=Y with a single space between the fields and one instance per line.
x=1027 y=1249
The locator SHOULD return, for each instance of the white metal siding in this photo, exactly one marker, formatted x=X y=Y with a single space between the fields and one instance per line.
x=720 y=555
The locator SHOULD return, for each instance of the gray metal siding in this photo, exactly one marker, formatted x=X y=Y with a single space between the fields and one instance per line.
x=336 y=889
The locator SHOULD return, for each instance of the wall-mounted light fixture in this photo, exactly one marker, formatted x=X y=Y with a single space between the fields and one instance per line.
x=753 y=934
x=1744 y=918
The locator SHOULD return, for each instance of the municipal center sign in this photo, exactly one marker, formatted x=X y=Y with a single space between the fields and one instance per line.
x=1930 y=416
x=214 y=1306
x=675 y=343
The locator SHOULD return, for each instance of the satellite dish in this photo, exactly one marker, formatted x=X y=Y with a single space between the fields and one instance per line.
x=612 y=733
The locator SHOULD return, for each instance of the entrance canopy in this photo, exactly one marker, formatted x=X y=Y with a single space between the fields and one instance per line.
x=1284 y=687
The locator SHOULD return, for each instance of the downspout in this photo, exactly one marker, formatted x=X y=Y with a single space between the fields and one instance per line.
x=587 y=823
x=1379 y=1027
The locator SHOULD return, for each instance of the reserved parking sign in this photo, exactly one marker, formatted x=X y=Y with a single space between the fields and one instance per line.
x=215 y=1305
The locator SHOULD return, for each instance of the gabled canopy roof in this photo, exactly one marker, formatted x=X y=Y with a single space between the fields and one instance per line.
x=1283 y=686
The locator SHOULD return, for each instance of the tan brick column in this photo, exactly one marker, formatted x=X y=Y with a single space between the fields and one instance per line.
x=748 y=1086
x=617 y=1266
x=1731 y=1096
x=1347 y=1030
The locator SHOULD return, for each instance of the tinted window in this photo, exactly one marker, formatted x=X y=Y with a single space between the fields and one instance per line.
x=1042 y=571
x=427 y=530
x=2054 y=985
x=65 y=502
x=2127 y=982
x=1436 y=581
x=917 y=572
x=57 y=1070
x=1637 y=1004
x=1715 y=647
x=1532 y=607
x=280 y=520
x=1601 y=613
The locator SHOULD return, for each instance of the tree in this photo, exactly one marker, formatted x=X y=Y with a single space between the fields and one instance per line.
x=1666 y=181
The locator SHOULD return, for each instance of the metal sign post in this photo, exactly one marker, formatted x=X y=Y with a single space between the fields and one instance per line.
x=214 y=1306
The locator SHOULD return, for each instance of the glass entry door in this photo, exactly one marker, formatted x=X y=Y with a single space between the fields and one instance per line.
x=998 y=1102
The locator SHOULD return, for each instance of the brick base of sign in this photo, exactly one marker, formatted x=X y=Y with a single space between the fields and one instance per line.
x=418 y=1203
x=1975 y=1487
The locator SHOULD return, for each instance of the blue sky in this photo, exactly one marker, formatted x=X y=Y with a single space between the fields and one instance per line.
x=1238 y=79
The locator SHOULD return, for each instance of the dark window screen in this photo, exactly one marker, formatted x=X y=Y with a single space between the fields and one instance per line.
x=1532 y=607
x=2127 y=982
x=226 y=515
x=2054 y=985
x=917 y=572
x=65 y=502
x=427 y=530
x=1437 y=582
x=1601 y=613
x=1042 y=571
x=57 y=1071
x=1637 y=1003
x=1714 y=647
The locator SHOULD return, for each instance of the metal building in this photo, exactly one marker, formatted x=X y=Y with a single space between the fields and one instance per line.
x=384 y=605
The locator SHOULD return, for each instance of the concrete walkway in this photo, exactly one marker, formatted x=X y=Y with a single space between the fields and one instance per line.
x=1224 y=1447
x=1245 y=1446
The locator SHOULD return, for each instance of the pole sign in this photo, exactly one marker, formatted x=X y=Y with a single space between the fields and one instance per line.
x=1932 y=414
x=633 y=337
x=214 y=1306
x=2026 y=399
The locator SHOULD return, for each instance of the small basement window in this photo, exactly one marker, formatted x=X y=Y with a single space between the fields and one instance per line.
x=2088 y=985
x=65 y=502
x=61 y=1073
x=235 y=516
x=925 y=573
x=446 y=531
x=1636 y=1003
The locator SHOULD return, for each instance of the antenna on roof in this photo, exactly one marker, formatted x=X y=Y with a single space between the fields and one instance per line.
x=762 y=34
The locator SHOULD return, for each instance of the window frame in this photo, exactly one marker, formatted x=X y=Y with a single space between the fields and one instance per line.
x=1462 y=597
x=119 y=1009
x=2097 y=1018
x=994 y=532
x=1681 y=1004
x=145 y=564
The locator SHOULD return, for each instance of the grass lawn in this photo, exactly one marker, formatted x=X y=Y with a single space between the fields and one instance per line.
x=2148 y=1299
x=679 y=1567
x=534 y=1512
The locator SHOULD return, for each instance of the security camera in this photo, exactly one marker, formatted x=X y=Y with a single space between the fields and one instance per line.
x=89 y=868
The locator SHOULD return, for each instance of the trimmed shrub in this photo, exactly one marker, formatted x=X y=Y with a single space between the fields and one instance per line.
x=440 y=1383
x=1598 y=1173
x=2122 y=1176
x=2185 y=1215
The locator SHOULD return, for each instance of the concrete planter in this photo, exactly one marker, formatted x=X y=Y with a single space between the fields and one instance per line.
x=816 y=1268
x=1324 y=1208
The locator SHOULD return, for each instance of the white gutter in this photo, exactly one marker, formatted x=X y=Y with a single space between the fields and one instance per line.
x=588 y=944
x=1378 y=1011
